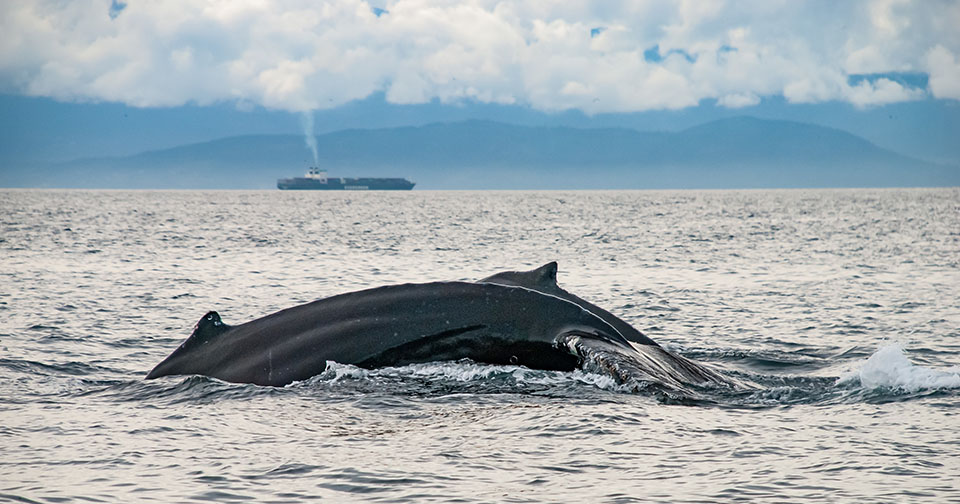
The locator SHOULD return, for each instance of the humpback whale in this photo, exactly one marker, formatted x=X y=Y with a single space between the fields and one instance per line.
x=488 y=322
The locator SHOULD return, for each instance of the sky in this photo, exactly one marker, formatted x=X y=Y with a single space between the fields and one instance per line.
x=563 y=58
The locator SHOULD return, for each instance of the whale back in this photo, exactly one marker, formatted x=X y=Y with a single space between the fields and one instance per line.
x=391 y=325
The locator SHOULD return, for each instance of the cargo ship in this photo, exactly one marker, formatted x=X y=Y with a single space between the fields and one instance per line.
x=317 y=179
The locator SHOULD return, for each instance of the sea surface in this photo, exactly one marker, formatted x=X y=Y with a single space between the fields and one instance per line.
x=843 y=306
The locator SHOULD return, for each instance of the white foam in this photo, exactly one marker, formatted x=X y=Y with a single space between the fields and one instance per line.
x=466 y=371
x=889 y=367
x=336 y=372
x=456 y=371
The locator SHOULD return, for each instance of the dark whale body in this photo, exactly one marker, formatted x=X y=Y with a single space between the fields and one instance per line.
x=490 y=322
x=389 y=326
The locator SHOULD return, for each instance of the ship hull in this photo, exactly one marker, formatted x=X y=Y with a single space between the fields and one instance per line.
x=344 y=184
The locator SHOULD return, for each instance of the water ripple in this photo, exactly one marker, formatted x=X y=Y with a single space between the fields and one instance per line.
x=840 y=306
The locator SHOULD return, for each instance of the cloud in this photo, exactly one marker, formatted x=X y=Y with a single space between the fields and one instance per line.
x=738 y=100
x=944 y=72
x=597 y=57
x=881 y=92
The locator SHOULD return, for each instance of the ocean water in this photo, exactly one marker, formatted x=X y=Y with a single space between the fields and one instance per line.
x=842 y=305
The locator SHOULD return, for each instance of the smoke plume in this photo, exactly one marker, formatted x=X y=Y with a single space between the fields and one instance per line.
x=309 y=138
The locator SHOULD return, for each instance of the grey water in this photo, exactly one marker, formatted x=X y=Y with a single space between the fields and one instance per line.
x=843 y=306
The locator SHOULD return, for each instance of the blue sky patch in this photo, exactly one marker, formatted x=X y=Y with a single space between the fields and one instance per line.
x=653 y=54
x=116 y=7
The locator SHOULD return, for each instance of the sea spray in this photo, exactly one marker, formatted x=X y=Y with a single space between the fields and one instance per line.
x=309 y=138
x=889 y=367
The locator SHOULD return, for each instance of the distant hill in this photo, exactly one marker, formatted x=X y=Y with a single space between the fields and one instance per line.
x=740 y=152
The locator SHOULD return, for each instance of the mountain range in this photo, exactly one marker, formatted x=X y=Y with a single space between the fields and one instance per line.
x=740 y=152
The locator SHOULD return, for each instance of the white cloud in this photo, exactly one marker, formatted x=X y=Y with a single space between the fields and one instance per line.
x=885 y=19
x=302 y=55
x=866 y=60
x=881 y=92
x=738 y=100
x=944 y=72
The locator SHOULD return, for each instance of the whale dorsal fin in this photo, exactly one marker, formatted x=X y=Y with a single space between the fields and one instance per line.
x=543 y=279
x=208 y=327
x=546 y=275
